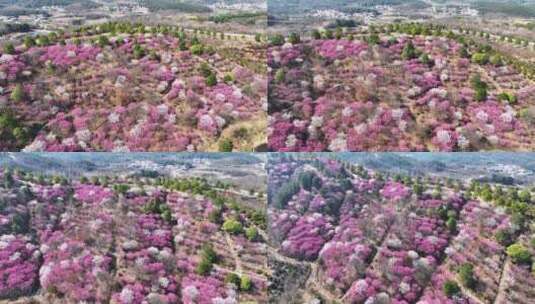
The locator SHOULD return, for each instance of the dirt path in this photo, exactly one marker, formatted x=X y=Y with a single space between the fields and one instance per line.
x=487 y=77
x=314 y=283
x=500 y=296
x=235 y=255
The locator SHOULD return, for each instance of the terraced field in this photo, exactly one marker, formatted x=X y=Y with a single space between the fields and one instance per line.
x=133 y=87
x=344 y=234
x=404 y=87
x=114 y=240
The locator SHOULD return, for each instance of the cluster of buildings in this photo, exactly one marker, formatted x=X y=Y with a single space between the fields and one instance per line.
x=453 y=11
x=49 y=18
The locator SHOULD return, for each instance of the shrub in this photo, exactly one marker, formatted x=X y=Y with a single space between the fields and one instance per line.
x=525 y=196
x=240 y=133
x=328 y=34
x=519 y=254
x=285 y=193
x=8 y=180
x=121 y=188
x=18 y=93
x=139 y=52
x=466 y=274
x=9 y=48
x=197 y=49
x=316 y=34
x=20 y=223
x=233 y=278
x=425 y=59
x=504 y=237
x=508 y=97
x=211 y=80
x=418 y=189
x=251 y=233
x=246 y=283
x=373 y=39
x=306 y=180
x=205 y=69
x=167 y=216
x=226 y=145
x=409 y=51
x=103 y=41
x=208 y=253
x=204 y=267
x=276 y=40
x=210 y=50
x=451 y=288
x=480 y=58
x=280 y=76
x=463 y=52
x=496 y=60
x=452 y=225
x=232 y=226
x=480 y=87
x=182 y=46
x=29 y=42
x=338 y=33
x=228 y=78
x=43 y=41
x=215 y=216
x=294 y=38
x=153 y=206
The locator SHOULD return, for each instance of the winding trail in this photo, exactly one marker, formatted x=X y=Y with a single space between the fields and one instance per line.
x=235 y=255
x=500 y=296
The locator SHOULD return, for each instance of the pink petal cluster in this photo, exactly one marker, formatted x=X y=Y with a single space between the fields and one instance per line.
x=19 y=266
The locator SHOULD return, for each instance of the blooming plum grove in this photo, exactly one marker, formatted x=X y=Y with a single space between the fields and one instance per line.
x=136 y=92
x=351 y=95
x=140 y=242
x=359 y=237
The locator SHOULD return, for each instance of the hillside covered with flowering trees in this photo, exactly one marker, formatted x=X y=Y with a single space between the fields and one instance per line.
x=133 y=87
x=128 y=240
x=399 y=87
x=342 y=233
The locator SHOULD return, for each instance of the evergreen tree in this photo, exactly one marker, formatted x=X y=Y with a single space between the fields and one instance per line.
x=17 y=94
x=409 y=51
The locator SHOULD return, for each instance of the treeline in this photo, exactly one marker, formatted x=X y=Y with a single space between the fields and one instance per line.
x=530 y=25
x=343 y=23
x=8 y=28
x=158 y=5
x=12 y=131
x=222 y=18
x=478 y=52
x=16 y=12
x=506 y=7
x=309 y=180
x=368 y=3
x=201 y=186
x=32 y=7
x=518 y=203
x=40 y=3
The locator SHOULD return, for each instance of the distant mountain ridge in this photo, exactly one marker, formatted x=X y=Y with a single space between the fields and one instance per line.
x=87 y=162
x=520 y=166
